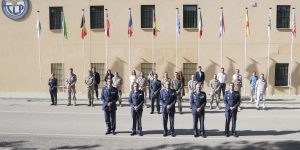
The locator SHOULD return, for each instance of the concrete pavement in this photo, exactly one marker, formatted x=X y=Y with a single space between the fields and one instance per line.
x=27 y=124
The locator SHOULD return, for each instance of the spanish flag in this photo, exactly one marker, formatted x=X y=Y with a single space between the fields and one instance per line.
x=247 y=24
x=154 y=24
x=83 y=27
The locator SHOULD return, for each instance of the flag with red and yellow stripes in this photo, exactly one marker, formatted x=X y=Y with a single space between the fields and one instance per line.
x=247 y=24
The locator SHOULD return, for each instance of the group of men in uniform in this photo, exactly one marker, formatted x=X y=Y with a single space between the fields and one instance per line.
x=165 y=93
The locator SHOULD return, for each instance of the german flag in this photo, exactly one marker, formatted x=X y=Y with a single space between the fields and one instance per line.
x=154 y=24
x=83 y=27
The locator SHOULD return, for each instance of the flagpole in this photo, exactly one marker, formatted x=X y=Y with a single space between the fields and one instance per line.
x=176 y=32
x=291 y=62
x=269 y=42
x=62 y=44
x=129 y=57
x=245 y=63
x=152 y=55
x=129 y=48
x=83 y=52
x=39 y=47
x=106 y=52
x=152 y=52
x=292 y=43
x=222 y=39
x=198 y=38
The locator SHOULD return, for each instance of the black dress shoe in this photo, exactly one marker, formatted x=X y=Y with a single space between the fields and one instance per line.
x=159 y=112
x=235 y=135
x=173 y=134
x=133 y=133
x=196 y=135
x=203 y=136
x=165 y=134
x=141 y=133
x=151 y=112
x=114 y=132
x=227 y=135
x=107 y=132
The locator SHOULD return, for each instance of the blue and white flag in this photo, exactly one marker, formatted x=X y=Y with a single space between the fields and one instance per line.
x=222 y=24
x=177 y=23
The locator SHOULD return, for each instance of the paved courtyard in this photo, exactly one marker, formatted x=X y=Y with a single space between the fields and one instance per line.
x=34 y=124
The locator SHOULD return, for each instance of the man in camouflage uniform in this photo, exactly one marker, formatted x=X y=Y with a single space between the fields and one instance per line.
x=165 y=79
x=215 y=87
x=90 y=83
x=117 y=83
x=71 y=81
x=177 y=85
x=142 y=81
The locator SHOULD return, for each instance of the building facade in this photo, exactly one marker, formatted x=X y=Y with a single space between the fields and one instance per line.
x=19 y=62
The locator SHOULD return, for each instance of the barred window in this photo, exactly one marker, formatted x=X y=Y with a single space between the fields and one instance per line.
x=55 y=17
x=100 y=68
x=147 y=68
x=97 y=17
x=283 y=16
x=189 y=69
x=281 y=74
x=189 y=16
x=58 y=70
x=147 y=16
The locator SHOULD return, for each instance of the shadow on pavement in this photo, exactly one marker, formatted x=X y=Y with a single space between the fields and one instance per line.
x=177 y=132
x=11 y=144
x=268 y=132
x=216 y=132
x=265 y=145
x=274 y=108
x=76 y=147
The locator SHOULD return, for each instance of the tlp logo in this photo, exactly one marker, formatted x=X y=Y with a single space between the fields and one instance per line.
x=15 y=9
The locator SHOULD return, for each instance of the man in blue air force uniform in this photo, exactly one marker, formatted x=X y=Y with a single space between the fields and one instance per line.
x=136 y=100
x=232 y=101
x=168 y=101
x=198 y=103
x=109 y=98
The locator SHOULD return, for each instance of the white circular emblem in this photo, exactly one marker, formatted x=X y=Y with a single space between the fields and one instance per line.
x=15 y=9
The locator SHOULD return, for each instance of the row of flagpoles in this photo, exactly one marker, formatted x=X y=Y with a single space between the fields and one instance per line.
x=155 y=30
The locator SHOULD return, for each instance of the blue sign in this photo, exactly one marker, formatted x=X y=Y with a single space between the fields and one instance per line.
x=15 y=9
